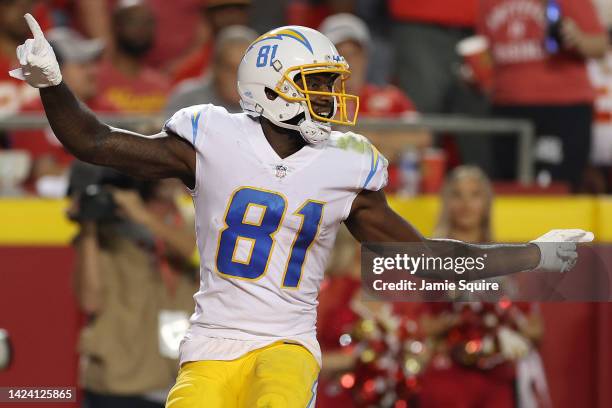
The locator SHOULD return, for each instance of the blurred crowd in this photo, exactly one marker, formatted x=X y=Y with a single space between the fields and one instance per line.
x=460 y=354
x=546 y=61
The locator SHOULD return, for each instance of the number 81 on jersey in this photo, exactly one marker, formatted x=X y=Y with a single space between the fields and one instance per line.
x=258 y=234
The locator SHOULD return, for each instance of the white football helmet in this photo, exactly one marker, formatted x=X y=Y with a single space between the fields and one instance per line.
x=274 y=61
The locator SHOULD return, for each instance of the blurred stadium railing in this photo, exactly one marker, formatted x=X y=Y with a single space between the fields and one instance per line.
x=478 y=127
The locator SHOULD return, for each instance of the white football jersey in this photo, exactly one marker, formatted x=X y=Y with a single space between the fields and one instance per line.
x=265 y=227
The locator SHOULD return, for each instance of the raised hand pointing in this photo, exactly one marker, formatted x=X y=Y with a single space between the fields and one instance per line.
x=39 y=66
x=558 y=249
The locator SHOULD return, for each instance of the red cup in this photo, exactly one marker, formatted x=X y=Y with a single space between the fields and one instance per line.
x=433 y=167
x=476 y=57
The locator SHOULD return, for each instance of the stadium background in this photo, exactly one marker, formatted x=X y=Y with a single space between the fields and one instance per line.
x=39 y=311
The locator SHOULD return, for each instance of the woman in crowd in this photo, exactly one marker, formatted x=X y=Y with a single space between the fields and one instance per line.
x=539 y=50
x=477 y=348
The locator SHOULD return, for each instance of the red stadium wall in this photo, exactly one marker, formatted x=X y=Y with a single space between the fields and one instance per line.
x=577 y=353
x=40 y=313
x=38 y=309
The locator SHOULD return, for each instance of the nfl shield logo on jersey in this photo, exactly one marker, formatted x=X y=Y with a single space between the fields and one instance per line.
x=281 y=171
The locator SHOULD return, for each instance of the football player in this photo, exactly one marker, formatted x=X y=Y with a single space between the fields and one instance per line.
x=270 y=188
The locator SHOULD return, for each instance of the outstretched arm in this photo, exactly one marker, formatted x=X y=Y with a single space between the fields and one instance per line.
x=157 y=156
x=372 y=221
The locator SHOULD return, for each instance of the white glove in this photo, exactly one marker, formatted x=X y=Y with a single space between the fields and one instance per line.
x=39 y=66
x=512 y=345
x=558 y=248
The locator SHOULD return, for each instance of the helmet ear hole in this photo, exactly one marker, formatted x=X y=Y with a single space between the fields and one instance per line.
x=270 y=94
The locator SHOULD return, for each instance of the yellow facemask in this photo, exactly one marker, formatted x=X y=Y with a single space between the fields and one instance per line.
x=344 y=101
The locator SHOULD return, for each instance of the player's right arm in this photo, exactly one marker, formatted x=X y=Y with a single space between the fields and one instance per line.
x=158 y=156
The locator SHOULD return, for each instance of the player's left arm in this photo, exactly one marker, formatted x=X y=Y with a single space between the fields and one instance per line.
x=371 y=220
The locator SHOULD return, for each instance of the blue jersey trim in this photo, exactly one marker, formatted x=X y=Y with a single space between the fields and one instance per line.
x=373 y=165
x=195 y=118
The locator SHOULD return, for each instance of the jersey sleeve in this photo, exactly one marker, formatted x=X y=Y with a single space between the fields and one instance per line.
x=375 y=172
x=189 y=123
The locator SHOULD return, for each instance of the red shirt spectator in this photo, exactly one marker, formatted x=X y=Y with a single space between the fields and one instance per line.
x=453 y=13
x=305 y=14
x=125 y=80
x=383 y=101
x=219 y=15
x=146 y=92
x=176 y=30
x=524 y=73
x=13 y=92
x=352 y=38
x=195 y=65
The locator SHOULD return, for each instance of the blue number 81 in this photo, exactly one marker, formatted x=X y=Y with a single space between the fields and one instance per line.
x=259 y=235
x=262 y=56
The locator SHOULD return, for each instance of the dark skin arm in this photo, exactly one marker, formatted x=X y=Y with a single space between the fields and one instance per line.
x=149 y=157
x=372 y=220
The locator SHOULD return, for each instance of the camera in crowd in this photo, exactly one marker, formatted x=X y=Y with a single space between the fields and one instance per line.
x=92 y=188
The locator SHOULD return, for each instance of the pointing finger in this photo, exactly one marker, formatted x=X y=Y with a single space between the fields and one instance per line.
x=34 y=27
x=581 y=236
x=577 y=235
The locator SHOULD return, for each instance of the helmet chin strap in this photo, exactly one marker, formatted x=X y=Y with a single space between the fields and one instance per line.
x=312 y=131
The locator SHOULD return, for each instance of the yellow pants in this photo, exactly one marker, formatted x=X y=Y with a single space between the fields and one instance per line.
x=280 y=375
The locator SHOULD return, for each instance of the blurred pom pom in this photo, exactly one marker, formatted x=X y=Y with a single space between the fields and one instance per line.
x=345 y=340
x=415 y=347
x=347 y=380
x=412 y=366
x=367 y=356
